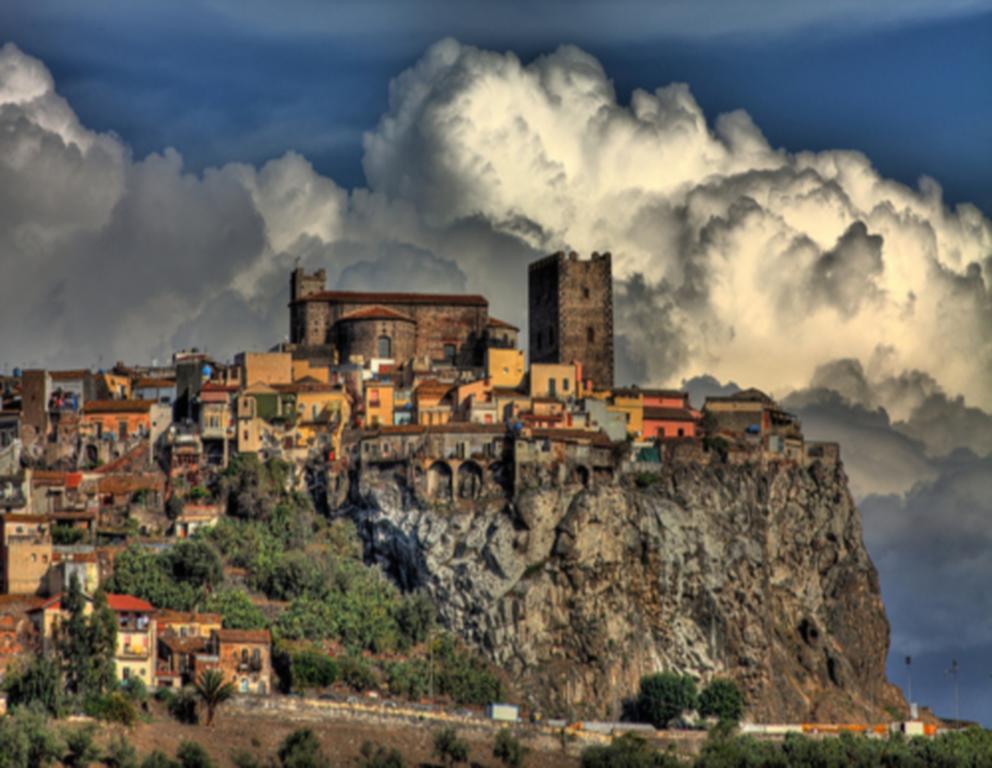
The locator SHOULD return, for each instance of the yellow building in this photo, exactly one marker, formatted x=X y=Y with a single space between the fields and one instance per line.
x=433 y=402
x=25 y=554
x=560 y=380
x=630 y=403
x=136 y=632
x=379 y=403
x=505 y=368
x=306 y=369
x=265 y=367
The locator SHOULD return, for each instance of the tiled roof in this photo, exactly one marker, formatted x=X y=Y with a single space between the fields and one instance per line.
x=78 y=373
x=359 y=297
x=154 y=383
x=118 y=406
x=118 y=603
x=668 y=414
x=377 y=312
x=494 y=322
x=244 y=636
x=635 y=391
x=744 y=396
x=572 y=435
x=166 y=616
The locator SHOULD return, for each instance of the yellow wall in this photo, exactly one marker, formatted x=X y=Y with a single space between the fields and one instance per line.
x=505 y=367
x=381 y=414
x=304 y=368
x=267 y=367
x=633 y=410
x=565 y=378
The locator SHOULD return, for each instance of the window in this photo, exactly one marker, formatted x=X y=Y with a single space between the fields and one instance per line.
x=564 y=385
x=122 y=430
x=385 y=346
x=585 y=292
x=551 y=387
x=590 y=335
x=449 y=353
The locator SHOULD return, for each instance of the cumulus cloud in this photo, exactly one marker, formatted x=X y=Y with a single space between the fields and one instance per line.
x=732 y=258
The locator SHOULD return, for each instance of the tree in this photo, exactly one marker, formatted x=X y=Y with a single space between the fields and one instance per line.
x=192 y=755
x=43 y=746
x=236 y=609
x=508 y=749
x=301 y=749
x=194 y=562
x=183 y=706
x=79 y=746
x=39 y=684
x=415 y=617
x=101 y=673
x=120 y=753
x=665 y=696
x=449 y=747
x=174 y=507
x=159 y=759
x=377 y=756
x=73 y=637
x=213 y=691
x=722 y=699
x=312 y=669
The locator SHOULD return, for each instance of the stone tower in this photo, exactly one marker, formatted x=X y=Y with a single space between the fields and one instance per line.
x=301 y=284
x=570 y=304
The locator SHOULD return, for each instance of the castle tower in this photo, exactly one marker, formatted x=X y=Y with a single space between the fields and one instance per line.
x=303 y=330
x=570 y=304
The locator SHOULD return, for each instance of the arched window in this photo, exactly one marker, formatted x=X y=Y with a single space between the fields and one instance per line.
x=590 y=334
x=585 y=292
x=385 y=346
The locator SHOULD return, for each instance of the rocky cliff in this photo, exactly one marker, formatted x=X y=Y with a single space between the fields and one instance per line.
x=754 y=572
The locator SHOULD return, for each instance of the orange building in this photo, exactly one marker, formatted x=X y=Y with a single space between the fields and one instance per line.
x=123 y=419
x=433 y=402
x=667 y=414
x=246 y=659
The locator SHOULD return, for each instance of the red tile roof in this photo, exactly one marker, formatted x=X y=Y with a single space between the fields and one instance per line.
x=358 y=297
x=154 y=383
x=78 y=373
x=668 y=414
x=377 y=312
x=118 y=603
x=494 y=322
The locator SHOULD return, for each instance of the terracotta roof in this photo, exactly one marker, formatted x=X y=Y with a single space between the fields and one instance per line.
x=119 y=603
x=433 y=387
x=15 y=518
x=118 y=406
x=178 y=644
x=8 y=623
x=572 y=435
x=494 y=322
x=377 y=312
x=668 y=414
x=216 y=386
x=359 y=297
x=143 y=481
x=40 y=477
x=122 y=461
x=245 y=636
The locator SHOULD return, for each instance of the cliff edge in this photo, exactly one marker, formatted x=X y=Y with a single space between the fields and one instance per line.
x=756 y=572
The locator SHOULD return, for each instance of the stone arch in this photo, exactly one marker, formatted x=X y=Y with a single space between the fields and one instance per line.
x=499 y=475
x=439 y=481
x=469 y=480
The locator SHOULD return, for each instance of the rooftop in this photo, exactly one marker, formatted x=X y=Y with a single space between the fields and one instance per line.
x=118 y=406
x=377 y=312
x=245 y=636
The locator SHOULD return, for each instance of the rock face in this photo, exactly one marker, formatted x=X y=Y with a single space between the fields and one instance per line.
x=753 y=572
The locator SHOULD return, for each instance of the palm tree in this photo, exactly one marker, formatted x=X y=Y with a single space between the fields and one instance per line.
x=213 y=690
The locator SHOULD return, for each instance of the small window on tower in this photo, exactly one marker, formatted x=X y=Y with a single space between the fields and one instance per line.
x=590 y=335
x=585 y=292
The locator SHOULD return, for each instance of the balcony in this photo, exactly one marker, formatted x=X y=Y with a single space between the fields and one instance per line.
x=133 y=652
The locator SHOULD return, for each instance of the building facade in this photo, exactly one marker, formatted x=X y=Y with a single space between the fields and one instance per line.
x=570 y=303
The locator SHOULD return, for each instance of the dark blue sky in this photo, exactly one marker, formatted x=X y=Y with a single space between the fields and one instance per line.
x=222 y=81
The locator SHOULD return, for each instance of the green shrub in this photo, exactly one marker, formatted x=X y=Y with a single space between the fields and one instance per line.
x=114 y=707
x=631 y=751
x=80 y=750
x=159 y=759
x=357 y=673
x=301 y=749
x=722 y=699
x=377 y=756
x=449 y=747
x=27 y=740
x=236 y=609
x=183 y=706
x=410 y=679
x=37 y=684
x=192 y=755
x=646 y=479
x=120 y=753
x=135 y=689
x=462 y=675
x=665 y=696
x=242 y=758
x=508 y=749
x=311 y=669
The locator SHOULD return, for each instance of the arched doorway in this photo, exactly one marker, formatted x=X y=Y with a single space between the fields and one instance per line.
x=469 y=480
x=439 y=481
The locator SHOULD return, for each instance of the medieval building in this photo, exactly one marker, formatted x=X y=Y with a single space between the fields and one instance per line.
x=442 y=328
x=570 y=303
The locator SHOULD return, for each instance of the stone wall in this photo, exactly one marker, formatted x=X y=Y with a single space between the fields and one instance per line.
x=360 y=337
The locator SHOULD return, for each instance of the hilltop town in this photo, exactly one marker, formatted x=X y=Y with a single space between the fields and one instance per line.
x=423 y=393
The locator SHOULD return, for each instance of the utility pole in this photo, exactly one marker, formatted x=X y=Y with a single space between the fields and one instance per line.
x=430 y=642
x=953 y=672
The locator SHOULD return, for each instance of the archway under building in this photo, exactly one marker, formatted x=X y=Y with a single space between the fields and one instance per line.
x=469 y=480
x=439 y=481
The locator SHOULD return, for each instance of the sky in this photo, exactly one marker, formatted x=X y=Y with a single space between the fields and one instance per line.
x=797 y=196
